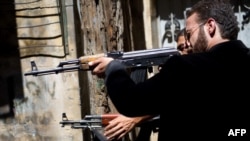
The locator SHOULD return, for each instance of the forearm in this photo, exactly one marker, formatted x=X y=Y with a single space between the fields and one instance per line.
x=114 y=66
x=141 y=119
x=125 y=94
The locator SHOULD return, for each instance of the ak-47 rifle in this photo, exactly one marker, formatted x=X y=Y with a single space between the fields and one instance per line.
x=132 y=59
x=91 y=122
x=96 y=122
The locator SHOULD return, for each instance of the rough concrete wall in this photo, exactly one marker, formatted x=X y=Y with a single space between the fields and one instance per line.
x=38 y=114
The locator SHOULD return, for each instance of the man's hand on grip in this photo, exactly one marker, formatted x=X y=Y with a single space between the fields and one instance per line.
x=99 y=65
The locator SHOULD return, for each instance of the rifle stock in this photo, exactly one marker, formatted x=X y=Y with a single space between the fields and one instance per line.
x=132 y=59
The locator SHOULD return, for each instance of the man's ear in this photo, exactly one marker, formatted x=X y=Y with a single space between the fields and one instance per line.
x=211 y=27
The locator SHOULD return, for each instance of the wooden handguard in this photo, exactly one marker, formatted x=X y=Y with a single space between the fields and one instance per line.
x=84 y=60
x=106 y=118
x=89 y=58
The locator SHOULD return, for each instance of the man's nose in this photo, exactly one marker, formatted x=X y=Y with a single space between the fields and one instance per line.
x=187 y=44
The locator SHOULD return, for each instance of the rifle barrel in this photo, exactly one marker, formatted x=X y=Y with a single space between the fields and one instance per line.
x=52 y=71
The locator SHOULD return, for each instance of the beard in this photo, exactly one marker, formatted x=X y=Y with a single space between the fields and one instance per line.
x=201 y=43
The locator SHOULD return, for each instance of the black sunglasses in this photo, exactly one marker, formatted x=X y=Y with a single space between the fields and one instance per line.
x=187 y=34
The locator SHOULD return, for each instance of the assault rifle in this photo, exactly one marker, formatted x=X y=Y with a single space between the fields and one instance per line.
x=95 y=122
x=91 y=122
x=132 y=59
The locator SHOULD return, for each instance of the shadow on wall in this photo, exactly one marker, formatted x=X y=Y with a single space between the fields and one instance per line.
x=10 y=68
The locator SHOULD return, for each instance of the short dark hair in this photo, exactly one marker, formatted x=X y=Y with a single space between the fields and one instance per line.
x=180 y=33
x=222 y=12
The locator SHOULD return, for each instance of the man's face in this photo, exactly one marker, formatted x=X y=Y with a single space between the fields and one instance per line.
x=195 y=35
x=182 y=46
